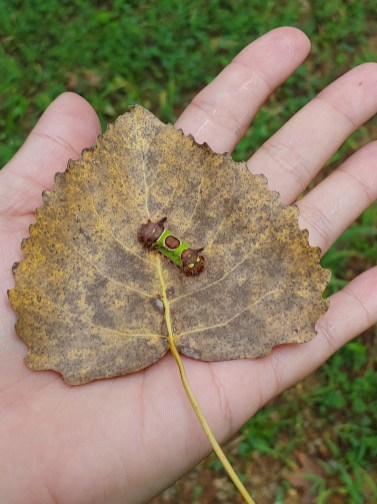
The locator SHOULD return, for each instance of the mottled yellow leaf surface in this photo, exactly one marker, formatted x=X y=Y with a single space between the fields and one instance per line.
x=92 y=302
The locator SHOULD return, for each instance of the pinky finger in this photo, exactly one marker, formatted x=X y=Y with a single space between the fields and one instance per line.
x=352 y=311
x=328 y=209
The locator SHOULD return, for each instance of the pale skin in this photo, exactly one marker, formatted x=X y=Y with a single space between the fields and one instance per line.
x=127 y=439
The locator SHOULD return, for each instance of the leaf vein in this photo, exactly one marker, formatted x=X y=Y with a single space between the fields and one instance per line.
x=214 y=283
x=118 y=282
x=228 y=321
x=124 y=186
x=87 y=323
x=198 y=199
x=110 y=233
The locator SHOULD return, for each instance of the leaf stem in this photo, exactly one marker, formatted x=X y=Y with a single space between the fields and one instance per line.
x=203 y=422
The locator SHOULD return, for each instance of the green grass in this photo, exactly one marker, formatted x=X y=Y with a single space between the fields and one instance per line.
x=335 y=414
x=159 y=54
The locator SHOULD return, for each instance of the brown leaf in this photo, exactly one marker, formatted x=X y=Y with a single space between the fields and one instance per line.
x=89 y=297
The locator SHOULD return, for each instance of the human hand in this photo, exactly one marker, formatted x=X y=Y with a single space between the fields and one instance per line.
x=126 y=439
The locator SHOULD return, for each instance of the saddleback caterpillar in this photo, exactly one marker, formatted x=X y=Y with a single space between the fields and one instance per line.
x=154 y=235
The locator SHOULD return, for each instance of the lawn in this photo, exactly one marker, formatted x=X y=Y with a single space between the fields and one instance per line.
x=318 y=441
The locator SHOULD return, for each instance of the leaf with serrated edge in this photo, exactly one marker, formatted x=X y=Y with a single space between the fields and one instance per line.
x=89 y=297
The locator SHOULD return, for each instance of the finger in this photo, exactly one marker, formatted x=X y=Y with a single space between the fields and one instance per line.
x=293 y=155
x=352 y=311
x=67 y=126
x=221 y=113
x=337 y=201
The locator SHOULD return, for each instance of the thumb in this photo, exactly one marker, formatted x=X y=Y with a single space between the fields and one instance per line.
x=67 y=126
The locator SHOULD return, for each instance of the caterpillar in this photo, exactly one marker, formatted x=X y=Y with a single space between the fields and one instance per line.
x=154 y=235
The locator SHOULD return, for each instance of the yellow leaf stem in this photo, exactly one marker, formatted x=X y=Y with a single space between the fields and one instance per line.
x=203 y=422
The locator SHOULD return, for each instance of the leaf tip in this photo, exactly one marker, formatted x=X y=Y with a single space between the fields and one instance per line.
x=14 y=267
x=10 y=294
x=58 y=176
x=24 y=241
x=46 y=196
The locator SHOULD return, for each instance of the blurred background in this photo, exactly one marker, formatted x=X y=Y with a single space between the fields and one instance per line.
x=317 y=443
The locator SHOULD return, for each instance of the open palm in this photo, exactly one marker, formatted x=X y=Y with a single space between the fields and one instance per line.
x=126 y=439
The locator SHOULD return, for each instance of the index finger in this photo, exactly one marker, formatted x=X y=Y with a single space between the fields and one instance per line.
x=221 y=113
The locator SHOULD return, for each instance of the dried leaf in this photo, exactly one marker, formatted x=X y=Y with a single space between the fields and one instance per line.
x=92 y=302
